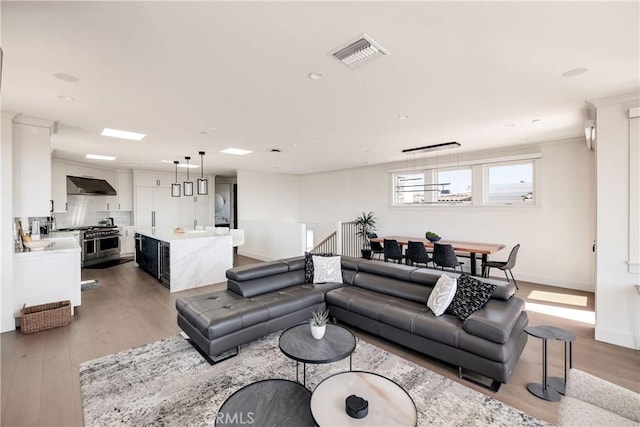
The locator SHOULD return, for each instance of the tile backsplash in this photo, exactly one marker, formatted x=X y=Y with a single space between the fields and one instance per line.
x=89 y=210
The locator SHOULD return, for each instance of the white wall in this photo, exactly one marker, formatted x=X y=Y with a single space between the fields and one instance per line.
x=7 y=322
x=269 y=211
x=617 y=301
x=555 y=238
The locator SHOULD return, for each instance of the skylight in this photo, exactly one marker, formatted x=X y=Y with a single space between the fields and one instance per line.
x=115 y=133
x=236 y=151
x=99 y=157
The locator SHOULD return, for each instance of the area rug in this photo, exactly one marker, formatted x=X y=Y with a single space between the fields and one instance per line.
x=168 y=383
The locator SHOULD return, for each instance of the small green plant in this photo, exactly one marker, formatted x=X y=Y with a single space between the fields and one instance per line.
x=319 y=317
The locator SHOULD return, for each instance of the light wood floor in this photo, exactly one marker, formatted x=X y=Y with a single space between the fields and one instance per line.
x=40 y=383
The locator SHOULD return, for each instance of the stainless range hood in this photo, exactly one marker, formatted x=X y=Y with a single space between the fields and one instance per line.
x=89 y=186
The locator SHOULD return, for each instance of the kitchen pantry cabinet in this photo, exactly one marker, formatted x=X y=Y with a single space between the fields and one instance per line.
x=124 y=188
x=155 y=208
x=194 y=211
x=58 y=187
x=32 y=167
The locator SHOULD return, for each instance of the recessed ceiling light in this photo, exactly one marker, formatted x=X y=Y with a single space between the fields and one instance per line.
x=99 y=157
x=189 y=166
x=65 y=77
x=509 y=125
x=536 y=120
x=403 y=117
x=575 y=72
x=203 y=132
x=65 y=97
x=315 y=75
x=236 y=151
x=275 y=150
x=122 y=134
x=167 y=161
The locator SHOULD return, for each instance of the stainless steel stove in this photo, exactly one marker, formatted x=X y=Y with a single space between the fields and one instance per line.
x=99 y=244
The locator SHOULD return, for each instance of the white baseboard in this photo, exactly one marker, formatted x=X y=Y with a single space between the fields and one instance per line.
x=257 y=256
x=617 y=338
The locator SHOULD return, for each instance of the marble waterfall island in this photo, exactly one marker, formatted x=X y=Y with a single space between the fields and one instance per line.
x=195 y=259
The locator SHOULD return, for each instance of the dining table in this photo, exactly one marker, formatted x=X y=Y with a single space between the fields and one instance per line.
x=472 y=248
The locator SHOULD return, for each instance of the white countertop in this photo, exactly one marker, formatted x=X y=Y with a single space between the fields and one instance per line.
x=61 y=242
x=168 y=235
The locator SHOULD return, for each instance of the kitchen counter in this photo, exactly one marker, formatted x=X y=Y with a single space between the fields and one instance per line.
x=168 y=235
x=197 y=258
x=48 y=275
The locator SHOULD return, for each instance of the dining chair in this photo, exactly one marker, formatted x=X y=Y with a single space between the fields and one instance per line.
x=503 y=265
x=376 y=247
x=222 y=231
x=445 y=256
x=417 y=254
x=393 y=251
x=237 y=237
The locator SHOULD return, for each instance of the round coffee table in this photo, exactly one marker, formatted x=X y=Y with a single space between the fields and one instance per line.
x=273 y=402
x=298 y=344
x=389 y=404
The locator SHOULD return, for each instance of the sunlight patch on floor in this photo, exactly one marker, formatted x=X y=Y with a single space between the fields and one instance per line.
x=577 y=300
x=583 y=316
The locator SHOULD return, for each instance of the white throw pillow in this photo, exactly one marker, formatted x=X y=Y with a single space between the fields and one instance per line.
x=442 y=294
x=327 y=269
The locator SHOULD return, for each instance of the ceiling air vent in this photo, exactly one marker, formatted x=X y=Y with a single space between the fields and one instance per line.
x=359 y=52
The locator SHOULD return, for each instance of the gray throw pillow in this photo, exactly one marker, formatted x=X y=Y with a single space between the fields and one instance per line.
x=471 y=295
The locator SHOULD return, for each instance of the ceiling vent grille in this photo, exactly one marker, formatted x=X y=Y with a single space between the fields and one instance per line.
x=359 y=52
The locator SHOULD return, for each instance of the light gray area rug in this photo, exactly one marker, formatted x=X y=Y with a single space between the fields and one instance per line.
x=168 y=383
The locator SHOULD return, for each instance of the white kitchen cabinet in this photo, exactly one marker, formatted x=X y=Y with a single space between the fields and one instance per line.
x=58 y=187
x=151 y=179
x=194 y=211
x=155 y=208
x=124 y=188
x=47 y=276
x=32 y=167
x=127 y=241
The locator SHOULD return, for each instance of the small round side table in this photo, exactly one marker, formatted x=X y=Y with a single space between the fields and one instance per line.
x=542 y=390
x=558 y=383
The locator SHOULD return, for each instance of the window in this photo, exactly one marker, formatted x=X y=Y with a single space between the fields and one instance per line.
x=409 y=188
x=510 y=183
x=507 y=180
x=440 y=186
x=454 y=185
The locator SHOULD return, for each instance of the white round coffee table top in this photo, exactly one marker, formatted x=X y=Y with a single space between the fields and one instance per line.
x=389 y=404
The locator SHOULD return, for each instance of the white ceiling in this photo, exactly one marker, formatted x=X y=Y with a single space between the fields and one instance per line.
x=238 y=71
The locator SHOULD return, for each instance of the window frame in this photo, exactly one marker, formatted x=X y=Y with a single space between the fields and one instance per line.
x=512 y=202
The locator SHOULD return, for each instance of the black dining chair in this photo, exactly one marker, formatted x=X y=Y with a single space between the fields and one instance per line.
x=503 y=265
x=445 y=256
x=417 y=254
x=376 y=247
x=393 y=251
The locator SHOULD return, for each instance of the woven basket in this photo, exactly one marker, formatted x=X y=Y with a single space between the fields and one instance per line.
x=45 y=316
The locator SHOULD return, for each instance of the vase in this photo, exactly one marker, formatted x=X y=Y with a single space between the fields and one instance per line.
x=318 y=331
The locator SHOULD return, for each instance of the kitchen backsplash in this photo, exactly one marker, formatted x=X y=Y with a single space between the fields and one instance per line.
x=89 y=210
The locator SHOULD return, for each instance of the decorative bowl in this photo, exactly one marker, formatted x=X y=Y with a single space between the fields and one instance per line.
x=434 y=239
x=37 y=245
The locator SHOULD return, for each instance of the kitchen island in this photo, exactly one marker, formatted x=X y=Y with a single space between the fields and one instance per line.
x=48 y=275
x=184 y=260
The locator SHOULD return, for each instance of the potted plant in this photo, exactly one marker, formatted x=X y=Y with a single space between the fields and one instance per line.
x=365 y=223
x=319 y=319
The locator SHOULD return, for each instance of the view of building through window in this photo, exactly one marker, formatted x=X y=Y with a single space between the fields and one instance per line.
x=510 y=183
x=455 y=185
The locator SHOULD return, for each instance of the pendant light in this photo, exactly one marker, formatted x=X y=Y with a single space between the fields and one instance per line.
x=203 y=184
x=188 y=185
x=175 y=188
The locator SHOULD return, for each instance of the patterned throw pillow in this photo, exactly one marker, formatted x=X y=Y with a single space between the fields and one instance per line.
x=471 y=295
x=442 y=294
x=308 y=265
x=327 y=269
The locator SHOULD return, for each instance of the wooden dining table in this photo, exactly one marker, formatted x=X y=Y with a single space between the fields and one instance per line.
x=472 y=248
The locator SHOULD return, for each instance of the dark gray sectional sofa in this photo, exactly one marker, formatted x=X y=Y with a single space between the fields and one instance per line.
x=387 y=300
